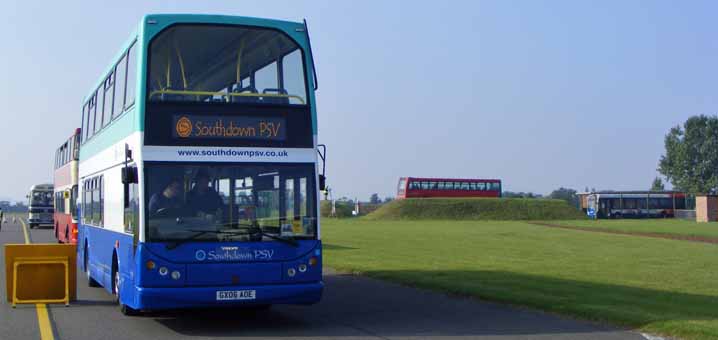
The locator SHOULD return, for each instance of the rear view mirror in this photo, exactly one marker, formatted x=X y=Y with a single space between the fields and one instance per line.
x=129 y=175
x=322 y=183
x=322 y=151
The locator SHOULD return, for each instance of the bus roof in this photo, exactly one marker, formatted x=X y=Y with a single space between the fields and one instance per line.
x=41 y=187
x=616 y=192
x=289 y=27
x=452 y=179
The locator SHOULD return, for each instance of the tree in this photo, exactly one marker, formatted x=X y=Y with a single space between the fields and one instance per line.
x=566 y=194
x=657 y=185
x=388 y=199
x=374 y=199
x=691 y=157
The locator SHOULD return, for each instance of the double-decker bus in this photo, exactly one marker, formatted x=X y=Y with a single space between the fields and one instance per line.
x=199 y=169
x=66 y=172
x=632 y=204
x=413 y=187
x=39 y=206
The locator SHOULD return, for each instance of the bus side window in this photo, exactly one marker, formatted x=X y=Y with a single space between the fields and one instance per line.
x=131 y=84
x=83 y=202
x=120 y=74
x=86 y=121
x=102 y=202
x=73 y=202
x=95 y=203
x=108 y=90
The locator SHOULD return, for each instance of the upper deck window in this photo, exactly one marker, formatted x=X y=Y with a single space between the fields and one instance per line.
x=231 y=64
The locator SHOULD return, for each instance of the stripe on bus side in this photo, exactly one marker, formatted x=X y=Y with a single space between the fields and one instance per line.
x=228 y=154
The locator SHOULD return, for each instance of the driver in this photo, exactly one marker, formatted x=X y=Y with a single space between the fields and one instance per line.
x=169 y=198
x=202 y=198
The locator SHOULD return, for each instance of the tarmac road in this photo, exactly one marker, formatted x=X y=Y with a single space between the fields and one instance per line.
x=352 y=308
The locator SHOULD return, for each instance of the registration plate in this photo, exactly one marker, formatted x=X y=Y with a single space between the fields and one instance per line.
x=227 y=295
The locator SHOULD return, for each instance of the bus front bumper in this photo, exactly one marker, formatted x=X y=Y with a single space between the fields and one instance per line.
x=199 y=297
x=40 y=222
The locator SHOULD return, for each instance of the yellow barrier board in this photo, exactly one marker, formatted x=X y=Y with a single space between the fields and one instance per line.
x=40 y=273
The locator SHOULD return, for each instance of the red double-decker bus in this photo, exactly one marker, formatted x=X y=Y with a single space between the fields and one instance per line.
x=410 y=187
x=66 y=174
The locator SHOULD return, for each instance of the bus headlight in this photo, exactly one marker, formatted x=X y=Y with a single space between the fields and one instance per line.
x=175 y=275
x=163 y=271
x=291 y=272
x=302 y=268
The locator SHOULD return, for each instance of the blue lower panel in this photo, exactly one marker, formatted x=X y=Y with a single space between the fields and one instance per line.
x=188 y=297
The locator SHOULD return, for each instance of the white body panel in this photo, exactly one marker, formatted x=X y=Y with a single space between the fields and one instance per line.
x=227 y=154
x=109 y=163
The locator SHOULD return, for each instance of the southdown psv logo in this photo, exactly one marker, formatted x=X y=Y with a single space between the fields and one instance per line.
x=184 y=127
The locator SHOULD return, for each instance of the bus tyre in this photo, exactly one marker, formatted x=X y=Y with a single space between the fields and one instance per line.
x=124 y=309
x=32 y=226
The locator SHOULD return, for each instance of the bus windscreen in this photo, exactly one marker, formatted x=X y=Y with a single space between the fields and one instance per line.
x=212 y=63
x=230 y=203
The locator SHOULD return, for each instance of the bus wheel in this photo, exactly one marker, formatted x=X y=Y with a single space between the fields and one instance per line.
x=124 y=309
x=32 y=226
x=90 y=281
x=67 y=234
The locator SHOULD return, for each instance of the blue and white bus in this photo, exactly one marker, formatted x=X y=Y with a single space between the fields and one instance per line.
x=199 y=173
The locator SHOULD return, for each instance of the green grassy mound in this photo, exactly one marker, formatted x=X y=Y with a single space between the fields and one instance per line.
x=476 y=209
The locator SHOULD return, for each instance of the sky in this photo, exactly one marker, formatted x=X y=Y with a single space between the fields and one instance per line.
x=540 y=94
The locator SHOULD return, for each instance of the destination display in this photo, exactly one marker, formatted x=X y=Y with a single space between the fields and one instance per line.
x=187 y=126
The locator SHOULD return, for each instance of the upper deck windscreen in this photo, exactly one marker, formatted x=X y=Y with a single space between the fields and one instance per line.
x=40 y=198
x=232 y=64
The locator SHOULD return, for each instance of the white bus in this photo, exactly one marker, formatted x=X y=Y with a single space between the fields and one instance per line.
x=40 y=206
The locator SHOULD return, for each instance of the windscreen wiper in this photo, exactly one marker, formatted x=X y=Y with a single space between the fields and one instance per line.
x=288 y=241
x=253 y=230
x=197 y=234
x=250 y=230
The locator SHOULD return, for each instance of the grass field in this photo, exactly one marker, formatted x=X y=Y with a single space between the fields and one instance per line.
x=667 y=226
x=476 y=209
x=656 y=285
